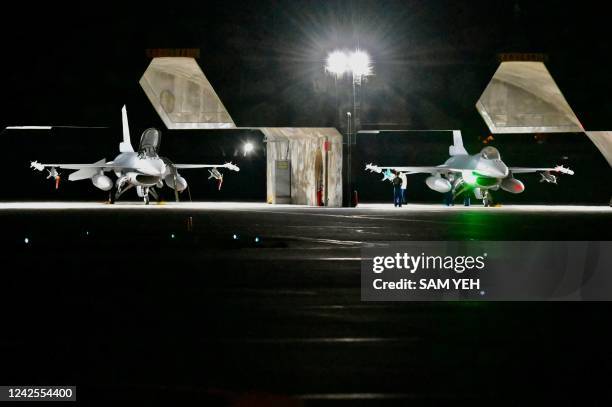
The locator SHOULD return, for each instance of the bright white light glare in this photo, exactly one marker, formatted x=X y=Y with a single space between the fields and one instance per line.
x=359 y=63
x=257 y=240
x=235 y=237
x=26 y=240
x=172 y=236
x=248 y=147
x=337 y=63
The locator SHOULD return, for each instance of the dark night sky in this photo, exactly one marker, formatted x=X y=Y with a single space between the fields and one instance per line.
x=67 y=64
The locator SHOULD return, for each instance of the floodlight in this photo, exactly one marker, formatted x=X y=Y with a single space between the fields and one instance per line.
x=359 y=63
x=337 y=63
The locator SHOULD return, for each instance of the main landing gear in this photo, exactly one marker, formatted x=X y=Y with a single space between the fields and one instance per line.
x=122 y=186
x=143 y=192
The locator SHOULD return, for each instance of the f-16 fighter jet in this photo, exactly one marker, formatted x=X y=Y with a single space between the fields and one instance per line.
x=481 y=173
x=143 y=169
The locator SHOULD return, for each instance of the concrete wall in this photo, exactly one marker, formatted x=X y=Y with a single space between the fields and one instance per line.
x=182 y=96
x=603 y=142
x=301 y=146
x=522 y=97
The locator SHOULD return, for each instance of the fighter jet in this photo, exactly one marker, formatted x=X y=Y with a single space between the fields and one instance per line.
x=143 y=169
x=481 y=173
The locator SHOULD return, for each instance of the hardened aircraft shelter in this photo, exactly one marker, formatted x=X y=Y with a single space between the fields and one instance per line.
x=304 y=165
x=522 y=97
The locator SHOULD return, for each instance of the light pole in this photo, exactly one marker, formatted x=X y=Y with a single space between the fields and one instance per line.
x=356 y=63
x=349 y=189
x=359 y=65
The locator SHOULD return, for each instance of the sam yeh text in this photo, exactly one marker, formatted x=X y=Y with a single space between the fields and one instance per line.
x=428 y=284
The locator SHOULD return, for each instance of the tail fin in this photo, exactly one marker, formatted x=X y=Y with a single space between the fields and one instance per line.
x=126 y=145
x=457 y=147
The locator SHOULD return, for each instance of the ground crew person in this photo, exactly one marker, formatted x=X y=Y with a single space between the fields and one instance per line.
x=397 y=190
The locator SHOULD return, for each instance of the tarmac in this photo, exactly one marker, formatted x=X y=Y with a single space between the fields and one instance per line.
x=229 y=303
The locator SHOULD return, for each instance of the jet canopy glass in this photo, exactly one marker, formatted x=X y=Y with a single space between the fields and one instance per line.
x=490 y=153
x=149 y=142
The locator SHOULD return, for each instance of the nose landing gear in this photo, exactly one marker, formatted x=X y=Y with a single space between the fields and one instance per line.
x=485 y=195
x=486 y=200
x=143 y=192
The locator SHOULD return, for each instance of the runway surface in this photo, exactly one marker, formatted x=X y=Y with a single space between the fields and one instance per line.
x=241 y=303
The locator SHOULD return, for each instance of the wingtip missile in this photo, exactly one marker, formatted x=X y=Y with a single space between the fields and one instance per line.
x=563 y=170
x=36 y=165
x=387 y=174
x=373 y=168
x=232 y=167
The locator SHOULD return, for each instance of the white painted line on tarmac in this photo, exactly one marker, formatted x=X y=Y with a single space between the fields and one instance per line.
x=355 y=396
x=320 y=340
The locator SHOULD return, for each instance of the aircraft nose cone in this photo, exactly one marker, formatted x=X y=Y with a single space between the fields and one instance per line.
x=501 y=170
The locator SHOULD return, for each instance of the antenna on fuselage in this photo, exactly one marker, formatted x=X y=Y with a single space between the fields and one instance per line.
x=126 y=145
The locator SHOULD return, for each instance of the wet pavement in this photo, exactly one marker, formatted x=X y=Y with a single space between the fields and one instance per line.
x=242 y=303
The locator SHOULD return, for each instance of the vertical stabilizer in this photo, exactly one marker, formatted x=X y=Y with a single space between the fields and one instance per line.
x=457 y=147
x=126 y=145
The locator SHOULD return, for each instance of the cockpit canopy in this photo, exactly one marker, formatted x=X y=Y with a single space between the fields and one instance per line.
x=149 y=142
x=490 y=153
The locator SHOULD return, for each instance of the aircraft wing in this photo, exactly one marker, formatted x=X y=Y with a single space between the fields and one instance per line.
x=229 y=166
x=84 y=171
x=81 y=166
x=101 y=165
x=411 y=170
x=524 y=170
